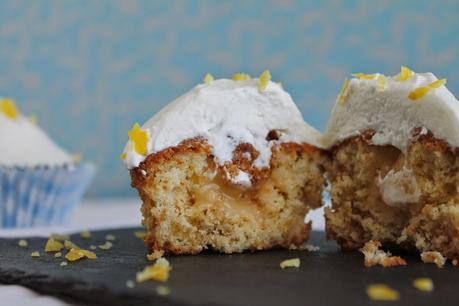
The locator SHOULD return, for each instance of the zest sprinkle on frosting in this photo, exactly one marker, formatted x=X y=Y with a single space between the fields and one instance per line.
x=423 y=90
x=405 y=74
x=342 y=97
x=364 y=76
x=381 y=83
x=240 y=76
x=263 y=80
x=8 y=108
x=208 y=78
x=139 y=138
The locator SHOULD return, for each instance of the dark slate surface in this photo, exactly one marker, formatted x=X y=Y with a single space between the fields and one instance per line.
x=327 y=277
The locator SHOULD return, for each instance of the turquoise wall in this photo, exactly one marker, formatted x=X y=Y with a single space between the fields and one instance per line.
x=89 y=69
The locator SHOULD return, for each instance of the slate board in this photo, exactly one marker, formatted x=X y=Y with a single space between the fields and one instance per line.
x=327 y=277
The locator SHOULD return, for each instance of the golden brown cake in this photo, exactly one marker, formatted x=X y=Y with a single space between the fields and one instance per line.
x=394 y=164
x=238 y=170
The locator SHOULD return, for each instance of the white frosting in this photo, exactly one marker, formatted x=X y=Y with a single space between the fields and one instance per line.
x=227 y=113
x=392 y=115
x=24 y=144
x=399 y=187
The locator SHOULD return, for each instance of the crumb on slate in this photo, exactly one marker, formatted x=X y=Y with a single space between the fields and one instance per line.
x=290 y=263
x=155 y=255
x=163 y=290
x=159 y=271
x=423 y=284
x=374 y=256
x=23 y=243
x=433 y=257
x=382 y=292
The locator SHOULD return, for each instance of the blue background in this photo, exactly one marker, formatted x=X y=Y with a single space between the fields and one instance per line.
x=90 y=69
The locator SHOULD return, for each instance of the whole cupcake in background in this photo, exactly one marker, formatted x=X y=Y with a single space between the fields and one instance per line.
x=40 y=183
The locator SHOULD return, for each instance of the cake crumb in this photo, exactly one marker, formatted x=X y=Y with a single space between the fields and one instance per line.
x=423 y=284
x=163 y=290
x=110 y=237
x=106 y=246
x=382 y=292
x=85 y=234
x=159 y=271
x=155 y=255
x=374 y=256
x=53 y=245
x=130 y=284
x=433 y=257
x=290 y=263
x=60 y=237
x=92 y=247
x=140 y=234
x=304 y=247
x=455 y=262
x=23 y=243
x=70 y=245
x=35 y=254
x=63 y=263
x=58 y=254
x=77 y=254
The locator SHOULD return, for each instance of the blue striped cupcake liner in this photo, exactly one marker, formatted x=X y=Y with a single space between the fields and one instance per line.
x=43 y=195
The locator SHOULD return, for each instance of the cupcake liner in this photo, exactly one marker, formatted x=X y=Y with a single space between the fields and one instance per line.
x=43 y=195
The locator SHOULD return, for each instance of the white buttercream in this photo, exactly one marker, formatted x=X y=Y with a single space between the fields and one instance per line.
x=399 y=187
x=392 y=115
x=24 y=144
x=227 y=113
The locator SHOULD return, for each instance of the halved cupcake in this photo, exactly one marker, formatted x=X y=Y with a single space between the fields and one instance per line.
x=394 y=171
x=40 y=183
x=229 y=166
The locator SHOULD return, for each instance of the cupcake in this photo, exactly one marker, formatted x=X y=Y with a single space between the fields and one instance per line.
x=229 y=166
x=40 y=183
x=395 y=159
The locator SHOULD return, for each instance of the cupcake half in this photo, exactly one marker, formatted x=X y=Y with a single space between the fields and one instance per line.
x=394 y=171
x=40 y=183
x=229 y=166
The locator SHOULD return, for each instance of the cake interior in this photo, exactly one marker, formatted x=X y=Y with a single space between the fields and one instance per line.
x=190 y=204
x=407 y=200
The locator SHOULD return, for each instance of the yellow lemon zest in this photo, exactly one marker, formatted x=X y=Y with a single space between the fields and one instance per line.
x=423 y=90
x=240 y=76
x=263 y=80
x=139 y=138
x=405 y=74
x=381 y=83
x=208 y=78
x=342 y=96
x=364 y=76
x=8 y=108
